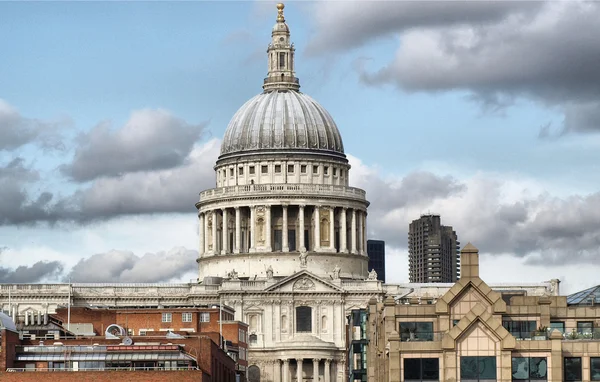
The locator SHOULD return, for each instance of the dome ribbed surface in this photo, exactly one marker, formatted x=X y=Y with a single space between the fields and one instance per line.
x=282 y=120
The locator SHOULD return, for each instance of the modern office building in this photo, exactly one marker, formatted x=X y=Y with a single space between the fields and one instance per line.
x=433 y=251
x=474 y=332
x=376 y=253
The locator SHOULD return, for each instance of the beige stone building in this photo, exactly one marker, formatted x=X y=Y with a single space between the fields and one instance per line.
x=474 y=333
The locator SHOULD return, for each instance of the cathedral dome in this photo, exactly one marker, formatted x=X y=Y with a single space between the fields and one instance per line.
x=282 y=120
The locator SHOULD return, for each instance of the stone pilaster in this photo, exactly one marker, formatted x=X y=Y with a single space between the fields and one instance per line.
x=224 y=232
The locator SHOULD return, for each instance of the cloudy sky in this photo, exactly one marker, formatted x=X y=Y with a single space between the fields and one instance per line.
x=111 y=116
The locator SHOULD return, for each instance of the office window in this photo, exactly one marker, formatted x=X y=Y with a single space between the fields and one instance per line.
x=416 y=331
x=251 y=170
x=421 y=369
x=572 y=369
x=304 y=319
x=241 y=171
x=529 y=369
x=204 y=317
x=167 y=317
x=143 y=332
x=291 y=168
x=477 y=369
x=595 y=368
x=303 y=169
x=585 y=327
x=278 y=168
x=264 y=169
x=558 y=325
x=186 y=317
x=520 y=329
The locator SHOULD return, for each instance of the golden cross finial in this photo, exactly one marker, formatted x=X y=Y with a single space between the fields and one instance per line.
x=280 y=17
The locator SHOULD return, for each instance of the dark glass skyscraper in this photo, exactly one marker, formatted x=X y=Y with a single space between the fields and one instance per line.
x=433 y=251
x=376 y=252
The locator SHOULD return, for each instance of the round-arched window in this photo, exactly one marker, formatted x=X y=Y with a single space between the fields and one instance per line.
x=253 y=374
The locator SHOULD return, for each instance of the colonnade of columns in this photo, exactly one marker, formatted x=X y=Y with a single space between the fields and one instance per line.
x=255 y=224
x=282 y=370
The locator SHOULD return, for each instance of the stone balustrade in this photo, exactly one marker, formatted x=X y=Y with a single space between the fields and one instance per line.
x=322 y=190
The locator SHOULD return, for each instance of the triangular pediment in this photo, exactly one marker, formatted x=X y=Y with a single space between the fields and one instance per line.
x=302 y=282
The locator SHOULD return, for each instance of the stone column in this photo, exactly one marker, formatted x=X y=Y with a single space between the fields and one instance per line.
x=214 y=232
x=284 y=230
x=316 y=369
x=302 y=248
x=299 y=370
x=238 y=230
x=252 y=229
x=332 y=229
x=317 y=229
x=269 y=228
x=277 y=371
x=353 y=233
x=206 y=243
x=364 y=220
x=327 y=371
x=359 y=243
x=224 y=233
x=201 y=234
x=286 y=370
x=343 y=231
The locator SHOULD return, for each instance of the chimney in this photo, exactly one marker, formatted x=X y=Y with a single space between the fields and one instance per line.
x=469 y=262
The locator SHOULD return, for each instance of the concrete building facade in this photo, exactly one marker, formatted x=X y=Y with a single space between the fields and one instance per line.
x=433 y=251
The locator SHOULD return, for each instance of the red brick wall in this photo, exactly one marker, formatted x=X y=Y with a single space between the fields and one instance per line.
x=7 y=348
x=108 y=376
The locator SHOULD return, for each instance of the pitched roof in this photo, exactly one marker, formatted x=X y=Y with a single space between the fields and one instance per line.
x=585 y=297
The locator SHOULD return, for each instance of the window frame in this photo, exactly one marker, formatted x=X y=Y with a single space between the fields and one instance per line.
x=597 y=361
x=529 y=363
x=186 y=317
x=240 y=170
x=303 y=168
x=203 y=316
x=305 y=324
x=415 y=327
x=264 y=169
x=520 y=328
x=277 y=169
x=251 y=170
x=581 y=329
x=562 y=323
x=478 y=359
x=422 y=377
x=290 y=168
x=565 y=359
x=167 y=317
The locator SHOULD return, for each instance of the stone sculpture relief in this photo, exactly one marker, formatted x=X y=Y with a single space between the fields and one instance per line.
x=304 y=284
x=303 y=256
x=372 y=275
x=336 y=272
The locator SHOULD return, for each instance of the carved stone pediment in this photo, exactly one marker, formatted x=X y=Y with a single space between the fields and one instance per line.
x=304 y=284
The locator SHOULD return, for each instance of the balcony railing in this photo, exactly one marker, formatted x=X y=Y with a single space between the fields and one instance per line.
x=282 y=189
x=572 y=334
x=274 y=80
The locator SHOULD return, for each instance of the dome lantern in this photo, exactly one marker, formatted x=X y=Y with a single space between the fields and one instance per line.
x=280 y=54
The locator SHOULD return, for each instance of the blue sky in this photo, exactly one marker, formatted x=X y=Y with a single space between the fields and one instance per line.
x=487 y=113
